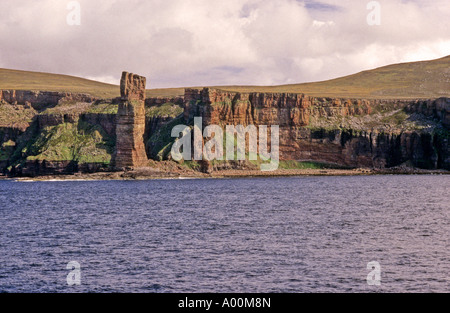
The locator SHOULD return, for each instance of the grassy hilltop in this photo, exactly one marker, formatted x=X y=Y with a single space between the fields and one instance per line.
x=25 y=80
x=427 y=79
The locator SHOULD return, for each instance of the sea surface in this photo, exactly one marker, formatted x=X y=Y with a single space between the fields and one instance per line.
x=293 y=235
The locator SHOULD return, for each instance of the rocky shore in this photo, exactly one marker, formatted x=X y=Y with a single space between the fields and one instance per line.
x=150 y=173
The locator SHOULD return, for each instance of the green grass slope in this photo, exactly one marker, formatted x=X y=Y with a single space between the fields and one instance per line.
x=25 y=80
x=426 y=79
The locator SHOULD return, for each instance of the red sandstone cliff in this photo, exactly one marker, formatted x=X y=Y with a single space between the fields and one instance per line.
x=301 y=140
x=130 y=128
x=41 y=99
x=301 y=136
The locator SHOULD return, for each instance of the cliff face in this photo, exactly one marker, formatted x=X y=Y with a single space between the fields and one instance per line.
x=439 y=109
x=366 y=149
x=302 y=139
x=64 y=134
x=286 y=110
x=41 y=99
x=158 y=101
x=225 y=108
x=45 y=133
x=130 y=129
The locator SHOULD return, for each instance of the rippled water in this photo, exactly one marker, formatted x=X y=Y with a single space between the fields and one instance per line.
x=237 y=235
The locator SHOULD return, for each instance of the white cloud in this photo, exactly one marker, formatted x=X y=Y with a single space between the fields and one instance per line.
x=434 y=50
x=103 y=79
x=322 y=24
x=215 y=42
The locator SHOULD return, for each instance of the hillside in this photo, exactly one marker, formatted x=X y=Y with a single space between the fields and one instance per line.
x=426 y=79
x=47 y=133
x=24 y=80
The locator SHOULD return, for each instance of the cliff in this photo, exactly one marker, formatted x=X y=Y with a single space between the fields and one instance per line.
x=349 y=132
x=130 y=129
x=41 y=99
x=287 y=109
x=45 y=133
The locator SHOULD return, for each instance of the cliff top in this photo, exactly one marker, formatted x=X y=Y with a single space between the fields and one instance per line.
x=426 y=79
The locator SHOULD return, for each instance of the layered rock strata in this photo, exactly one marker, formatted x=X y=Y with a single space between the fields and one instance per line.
x=41 y=99
x=301 y=141
x=130 y=128
x=302 y=137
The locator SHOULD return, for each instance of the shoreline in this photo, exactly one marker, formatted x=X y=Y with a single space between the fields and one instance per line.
x=154 y=174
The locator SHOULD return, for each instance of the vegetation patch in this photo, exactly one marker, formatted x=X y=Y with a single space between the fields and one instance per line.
x=192 y=165
x=6 y=150
x=160 y=143
x=82 y=142
x=14 y=115
x=165 y=110
x=388 y=121
x=71 y=107
x=308 y=165
x=398 y=118
x=103 y=108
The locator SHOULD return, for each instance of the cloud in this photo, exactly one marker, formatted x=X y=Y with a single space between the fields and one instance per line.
x=212 y=42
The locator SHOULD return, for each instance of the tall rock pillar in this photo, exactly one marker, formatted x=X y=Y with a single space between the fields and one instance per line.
x=130 y=128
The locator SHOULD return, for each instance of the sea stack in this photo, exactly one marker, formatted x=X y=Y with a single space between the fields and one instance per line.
x=130 y=148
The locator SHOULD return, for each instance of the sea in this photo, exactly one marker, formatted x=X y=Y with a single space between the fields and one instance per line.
x=346 y=234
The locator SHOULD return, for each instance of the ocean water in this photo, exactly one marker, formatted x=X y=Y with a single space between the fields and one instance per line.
x=294 y=235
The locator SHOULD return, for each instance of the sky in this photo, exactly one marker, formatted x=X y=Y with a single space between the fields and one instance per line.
x=184 y=43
